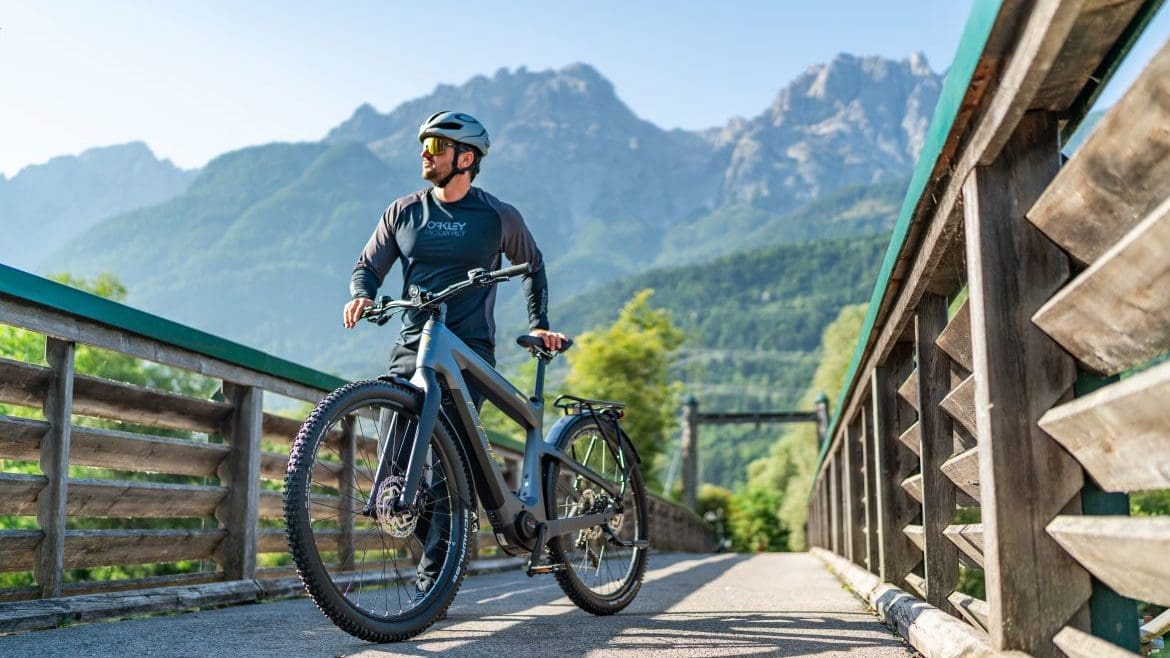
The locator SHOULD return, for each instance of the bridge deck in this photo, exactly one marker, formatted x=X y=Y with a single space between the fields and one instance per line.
x=691 y=605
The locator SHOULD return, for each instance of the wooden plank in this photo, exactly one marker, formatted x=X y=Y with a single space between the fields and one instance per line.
x=240 y=473
x=94 y=396
x=1127 y=554
x=54 y=459
x=98 y=548
x=896 y=509
x=273 y=466
x=18 y=493
x=938 y=493
x=1120 y=173
x=280 y=429
x=1026 y=478
x=969 y=539
x=1079 y=644
x=974 y=610
x=1116 y=314
x=52 y=322
x=955 y=340
x=914 y=534
x=141 y=452
x=913 y=486
x=275 y=541
x=963 y=471
x=909 y=389
x=20 y=438
x=25 y=384
x=1120 y=433
x=18 y=549
x=917 y=584
x=1098 y=26
x=22 y=383
x=912 y=439
x=112 y=498
x=960 y=404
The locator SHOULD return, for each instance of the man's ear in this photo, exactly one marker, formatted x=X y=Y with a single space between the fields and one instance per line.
x=466 y=162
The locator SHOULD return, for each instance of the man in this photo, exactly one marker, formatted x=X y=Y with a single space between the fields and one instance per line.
x=438 y=234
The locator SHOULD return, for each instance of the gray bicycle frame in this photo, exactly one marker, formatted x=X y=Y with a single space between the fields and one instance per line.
x=442 y=354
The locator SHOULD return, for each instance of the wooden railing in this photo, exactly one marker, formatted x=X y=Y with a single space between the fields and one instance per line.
x=983 y=429
x=188 y=485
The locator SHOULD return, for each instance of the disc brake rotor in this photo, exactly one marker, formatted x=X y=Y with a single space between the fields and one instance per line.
x=396 y=523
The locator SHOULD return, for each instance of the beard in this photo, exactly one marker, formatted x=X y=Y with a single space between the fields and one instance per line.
x=435 y=173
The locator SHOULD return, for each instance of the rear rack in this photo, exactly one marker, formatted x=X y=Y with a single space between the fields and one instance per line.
x=572 y=404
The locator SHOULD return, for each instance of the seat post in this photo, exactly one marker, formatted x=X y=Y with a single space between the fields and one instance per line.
x=538 y=392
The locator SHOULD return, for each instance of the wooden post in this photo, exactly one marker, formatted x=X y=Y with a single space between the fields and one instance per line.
x=240 y=473
x=1033 y=587
x=835 y=542
x=348 y=491
x=51 y=511
x=871 y=500
x=897 y=555
x=938 y=492
x=854 y=492
x=690 y=452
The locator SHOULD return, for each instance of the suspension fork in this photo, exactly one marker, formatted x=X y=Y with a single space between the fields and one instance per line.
x=419 y=446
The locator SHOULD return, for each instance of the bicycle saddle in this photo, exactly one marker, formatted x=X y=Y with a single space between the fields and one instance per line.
x=534 y=343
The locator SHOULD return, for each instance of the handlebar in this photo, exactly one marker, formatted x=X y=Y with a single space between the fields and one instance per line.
x=423 y=299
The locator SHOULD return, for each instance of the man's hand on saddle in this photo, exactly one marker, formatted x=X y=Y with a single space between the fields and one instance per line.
x=353 y=311
x=552 y=340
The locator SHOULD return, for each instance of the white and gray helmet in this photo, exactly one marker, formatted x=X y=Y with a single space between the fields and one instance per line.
x=457 y=127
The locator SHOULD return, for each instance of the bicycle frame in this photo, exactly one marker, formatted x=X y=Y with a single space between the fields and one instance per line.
x=443 y=355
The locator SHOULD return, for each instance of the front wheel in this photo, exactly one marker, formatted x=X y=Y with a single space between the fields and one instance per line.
x=601 y=575
x=379 y=573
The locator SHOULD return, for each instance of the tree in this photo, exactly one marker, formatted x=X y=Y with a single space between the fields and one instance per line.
x=629 y=362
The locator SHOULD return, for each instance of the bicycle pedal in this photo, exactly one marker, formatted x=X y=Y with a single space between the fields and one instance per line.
x=545 y=568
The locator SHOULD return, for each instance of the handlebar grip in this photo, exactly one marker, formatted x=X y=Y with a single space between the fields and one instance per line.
x=512 y=271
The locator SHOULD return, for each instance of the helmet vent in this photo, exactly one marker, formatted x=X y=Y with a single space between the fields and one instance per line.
x=449 y=125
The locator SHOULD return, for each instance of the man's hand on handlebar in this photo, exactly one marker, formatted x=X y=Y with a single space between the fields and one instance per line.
x=552 y=339
x=353 y=311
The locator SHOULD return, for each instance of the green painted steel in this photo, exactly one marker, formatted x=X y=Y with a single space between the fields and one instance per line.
x=38 y=290
x=970 y=51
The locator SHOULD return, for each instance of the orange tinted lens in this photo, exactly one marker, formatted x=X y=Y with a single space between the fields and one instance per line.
x=434 y=145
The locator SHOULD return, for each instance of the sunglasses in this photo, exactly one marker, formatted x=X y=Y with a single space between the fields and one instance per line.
x=436 y=145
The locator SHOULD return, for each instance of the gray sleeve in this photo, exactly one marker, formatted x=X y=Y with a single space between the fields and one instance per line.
x=377 y=257
x=519 y=246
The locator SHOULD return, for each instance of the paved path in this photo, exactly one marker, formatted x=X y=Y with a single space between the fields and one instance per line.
x=779 y=604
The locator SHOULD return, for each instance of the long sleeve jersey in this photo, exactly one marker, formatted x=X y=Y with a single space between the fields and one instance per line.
x=437 y=243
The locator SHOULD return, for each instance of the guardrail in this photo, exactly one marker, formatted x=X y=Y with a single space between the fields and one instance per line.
x=135 y=475
x=983 y=424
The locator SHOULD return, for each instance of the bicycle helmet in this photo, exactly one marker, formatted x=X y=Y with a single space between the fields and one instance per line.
x=457 y=127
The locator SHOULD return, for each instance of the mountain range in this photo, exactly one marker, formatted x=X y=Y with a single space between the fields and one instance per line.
x=270 y=232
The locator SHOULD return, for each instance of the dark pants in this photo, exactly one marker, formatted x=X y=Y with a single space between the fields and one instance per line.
x=429 y=528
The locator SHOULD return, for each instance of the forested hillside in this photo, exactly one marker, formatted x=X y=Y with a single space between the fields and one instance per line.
x=754 y=323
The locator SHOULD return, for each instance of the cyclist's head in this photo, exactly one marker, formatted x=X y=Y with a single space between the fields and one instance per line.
x=467 y=134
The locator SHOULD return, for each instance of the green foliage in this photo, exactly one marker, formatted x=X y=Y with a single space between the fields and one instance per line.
x=629 y=361
x=754 y=524
x=784 y=476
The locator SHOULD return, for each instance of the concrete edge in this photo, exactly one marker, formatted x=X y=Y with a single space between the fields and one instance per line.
x=42 y=614
x=934 y=633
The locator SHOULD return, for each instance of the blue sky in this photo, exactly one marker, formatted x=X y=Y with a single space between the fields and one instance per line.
x=196 y=79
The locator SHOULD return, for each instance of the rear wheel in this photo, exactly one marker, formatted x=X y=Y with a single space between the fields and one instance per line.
x=601 y=575
x=358 y=560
